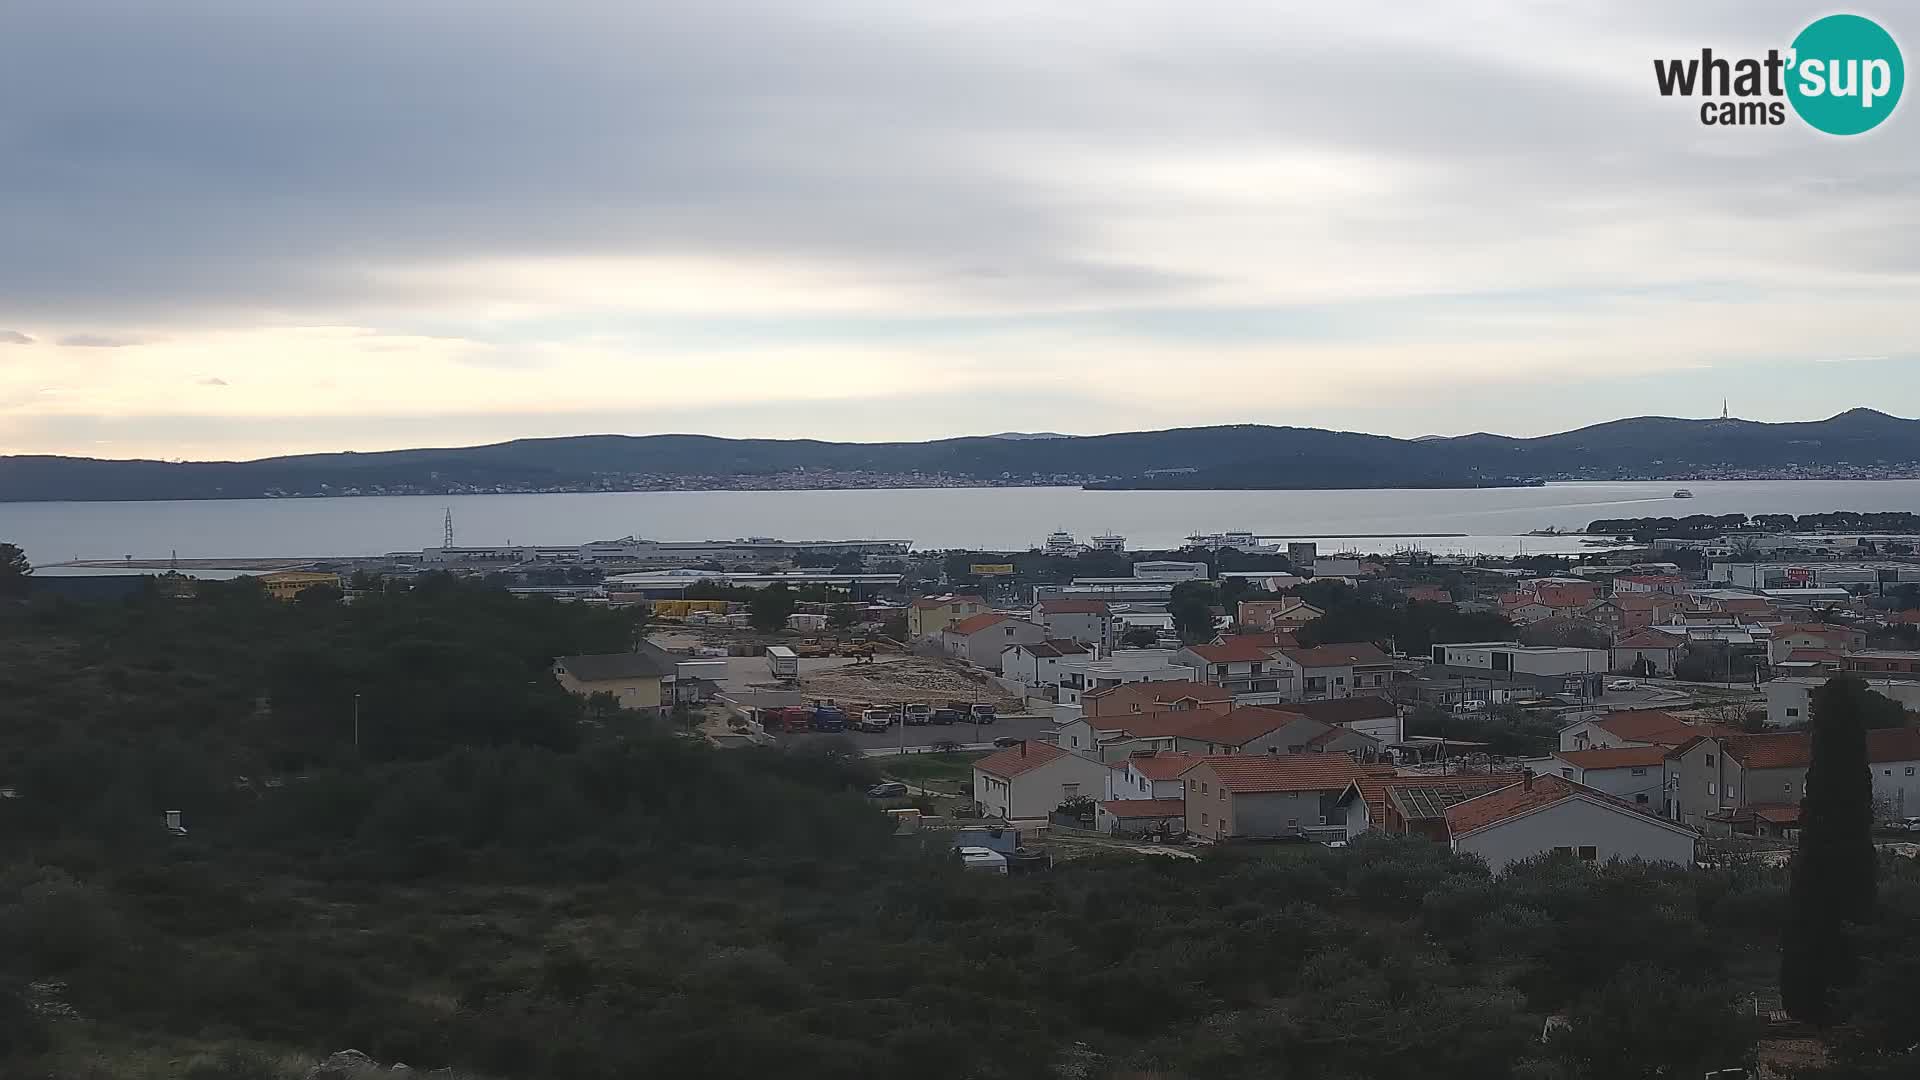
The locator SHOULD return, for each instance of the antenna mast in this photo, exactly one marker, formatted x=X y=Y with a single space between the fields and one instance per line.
x=447 y=541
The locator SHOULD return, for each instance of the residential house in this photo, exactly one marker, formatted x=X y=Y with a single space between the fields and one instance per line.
x=1374 y=716
x=1156 y=696
x=1119 y=667
x=1417 y=805
x=641 y=679
x=1287 y=613
x=1336 y=670
x=1142 y=817
x=1111 y=738
x=1825 y=637
x=287 y=584
x=1029 y=779
x=1742 y=605
x=981 y=639
x=1042 y=664
x=1606 y=615
x=1264 y=796
x=1884 y=663
x=1149 y=774
x=1089 y=622
x=1634 y=727
x=1790 y=698
x=1671 y=584
x=1634 y=773
x=1647 y=653
x=928 y=616
x=1638 y=609
x=1738 y=783
x=1427 y=594
x=1540 y=814
x=1893 y=755
x=1256 y=730
x=1241 y=664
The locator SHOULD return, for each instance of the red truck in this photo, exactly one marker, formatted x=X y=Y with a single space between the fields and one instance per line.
x=789 y=720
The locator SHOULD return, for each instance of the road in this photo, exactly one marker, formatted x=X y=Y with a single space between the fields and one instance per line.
x=969 y=736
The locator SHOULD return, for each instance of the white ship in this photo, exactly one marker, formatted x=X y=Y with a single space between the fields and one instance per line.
x=1244 y=542
x=1683 y=493
x=1110 y=542
x=1061 y=543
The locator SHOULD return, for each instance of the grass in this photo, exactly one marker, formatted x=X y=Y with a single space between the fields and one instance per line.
x=931 y=770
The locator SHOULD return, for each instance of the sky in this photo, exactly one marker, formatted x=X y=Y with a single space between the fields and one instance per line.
x=230 y=230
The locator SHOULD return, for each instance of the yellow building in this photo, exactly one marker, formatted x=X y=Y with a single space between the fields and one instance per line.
x=930 y=615
x=637 y=680
x=287 y=584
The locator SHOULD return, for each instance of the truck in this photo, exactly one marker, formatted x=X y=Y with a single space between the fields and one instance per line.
x=829 y=717
x=782 y=662
x=918 y=714
x=787 y=720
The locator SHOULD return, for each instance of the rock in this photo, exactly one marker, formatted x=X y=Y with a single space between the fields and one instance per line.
x=344 y=1065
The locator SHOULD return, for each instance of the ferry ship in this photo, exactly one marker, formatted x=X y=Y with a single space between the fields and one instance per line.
x=1110 y=542
x=1061 y=543
x=1244 y=542
x=1683 y=493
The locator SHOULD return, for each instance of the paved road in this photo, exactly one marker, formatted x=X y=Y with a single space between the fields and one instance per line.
x=969 y=736
x=750 y=672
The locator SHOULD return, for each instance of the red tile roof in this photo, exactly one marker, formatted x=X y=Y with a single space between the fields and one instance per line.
x=1893 y=744
x=1162 y=692
x=975 y=623
x=1823 y=629
x=1342 y=654
x=1814 y=656
x=1015 y=760
x=1657 y=727
x=1649 y=639
x=1484 y=811
x=1146 y=808
x=1240 y=726
x=1239 y=649
x=1776 y=813
x=1260 y=773
x=1786 y=750
x=1161 y=765
x=1635 y=757
x=1073 y=607
x=1432 y=594
x=1374 y=789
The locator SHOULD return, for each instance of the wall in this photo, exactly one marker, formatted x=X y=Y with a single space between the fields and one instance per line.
x=1575 y=822
x=1623 y=782
x=1278 y=813
x=1034 y=794
x=982 y=648
x=1896 y=786
x=1625 y=660
x=639 y=692
x=1088 y=628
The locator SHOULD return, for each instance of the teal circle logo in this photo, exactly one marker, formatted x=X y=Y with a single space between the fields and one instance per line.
x=1846 y=74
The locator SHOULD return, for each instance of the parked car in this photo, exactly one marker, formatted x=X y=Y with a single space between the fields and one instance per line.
x=1622 y=684
x=874 y=721
x=945 y=717
x=1005 y=741
x=919 y=714
x=1470 y=706
x=889 y=790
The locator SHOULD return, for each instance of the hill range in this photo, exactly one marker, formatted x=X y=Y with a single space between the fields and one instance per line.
x=1218 y=458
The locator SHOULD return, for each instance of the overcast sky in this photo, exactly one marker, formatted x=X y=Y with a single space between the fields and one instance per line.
x=230 y=230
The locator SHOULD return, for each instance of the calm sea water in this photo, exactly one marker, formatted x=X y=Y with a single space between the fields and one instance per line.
x=1493 y=520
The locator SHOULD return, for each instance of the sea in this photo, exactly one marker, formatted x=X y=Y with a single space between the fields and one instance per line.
x=1492 y=521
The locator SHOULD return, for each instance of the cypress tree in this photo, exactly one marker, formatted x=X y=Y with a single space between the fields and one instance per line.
x=1833 y=867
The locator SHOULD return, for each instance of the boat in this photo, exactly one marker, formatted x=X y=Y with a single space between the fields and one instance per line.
x=1110 y=542
x=1061 y=543
x=1239 y=540
x=1683 y=493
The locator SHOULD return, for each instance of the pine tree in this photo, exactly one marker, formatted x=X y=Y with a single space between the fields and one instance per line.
x=1833 y=869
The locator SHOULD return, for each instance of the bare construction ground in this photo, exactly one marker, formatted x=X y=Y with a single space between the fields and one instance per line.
x=908 y=679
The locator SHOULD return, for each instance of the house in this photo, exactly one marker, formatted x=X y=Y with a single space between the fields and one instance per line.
x=1885 y=663
x=1636 y=774
x=1634 y=727
x=1376 y=717
x=1240 y=664
x=1149 y=774
x=1112 y=739
x=1743 y=605
x=927 y=616
x=1256 y=730
x=1089 y=622
x=1044 y=663
x=1399 y=805
x=1117 y=668
x=1546 y=669
x=1266 y=796
x=1647 y=653
x=1644 y=609
x=1336 y=670
x=979 y=640
x=1670 y=584
x=1164 y=695
x=637 y=680
x=1790 y=698
x=1029 y=779
x=1287 y=613
x=1540 y=814
x=1607 y=615
x=1427 y=594
x=1717 y=783
x=1893 y=755
x=287 y=584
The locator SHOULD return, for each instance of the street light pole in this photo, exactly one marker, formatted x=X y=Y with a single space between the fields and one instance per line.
x=356 y=725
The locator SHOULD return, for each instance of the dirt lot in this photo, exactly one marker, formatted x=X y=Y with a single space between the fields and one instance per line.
x=908 y=679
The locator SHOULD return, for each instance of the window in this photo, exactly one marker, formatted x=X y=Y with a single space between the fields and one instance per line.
x=1710 y=788
x=1223 y=794
x=1203 y=787
x=1563 y=851
x=1339 y=680
x=1909 y=770
x=1709 y=761
x=1787 y=787
x=1641 y=799
x=1293 y=823
x=1639 y=772
x=1074 y=740
x=1589 y=853
x=1793 y=712
x=1275 y=750
x=1068 y=791
x=1568 y=773
x=1203 y=817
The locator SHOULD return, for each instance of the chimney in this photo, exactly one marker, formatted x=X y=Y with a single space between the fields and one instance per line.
x=1023 y=748
x=1526 y=779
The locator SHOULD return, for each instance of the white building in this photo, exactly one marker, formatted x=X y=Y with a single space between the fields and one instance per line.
x=1043 y=663
x=1790 y=698
x=1635 y=774
x=1089 y=622
x=980 y=639
x=1118 y=668
x=1169 y=570
x=1030 y=779
x=1542 y=814
x=1893 y=754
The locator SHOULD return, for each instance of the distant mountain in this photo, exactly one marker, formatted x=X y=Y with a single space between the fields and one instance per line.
x=1020 y=436
x=1238 y=456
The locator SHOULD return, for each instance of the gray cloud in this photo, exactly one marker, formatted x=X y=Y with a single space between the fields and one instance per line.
x=212 y=380
x=14 y=337
x=96 y=341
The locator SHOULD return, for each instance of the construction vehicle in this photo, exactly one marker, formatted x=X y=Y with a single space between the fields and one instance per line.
x=829 y=717
x=787 y=720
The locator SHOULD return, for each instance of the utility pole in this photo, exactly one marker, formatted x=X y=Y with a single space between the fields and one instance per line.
x=356 y=725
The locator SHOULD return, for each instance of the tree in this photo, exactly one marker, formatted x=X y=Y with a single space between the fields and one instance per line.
x=1140 y=637
x=770 y=607
x=1566 y=633
x=1833 y=868
x=841 y=616
x=14 y=570
x=1192 y=609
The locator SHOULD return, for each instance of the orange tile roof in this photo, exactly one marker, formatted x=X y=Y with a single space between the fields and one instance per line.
x=973 y=624
x=1163 y=692
x=1656 y=726
x=1523 y=797
x=1374 y=789
x=1146 y=808
x=1893 y=744
x=1786 y=750
x=1160 y=765
x=1015 y=760
x=1649 y=639
x=1240 y=726
x=1637 y=757
x=1341 y=654
x=1259 y=773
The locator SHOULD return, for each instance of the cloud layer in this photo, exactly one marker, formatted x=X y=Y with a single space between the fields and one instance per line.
x=449 y=222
